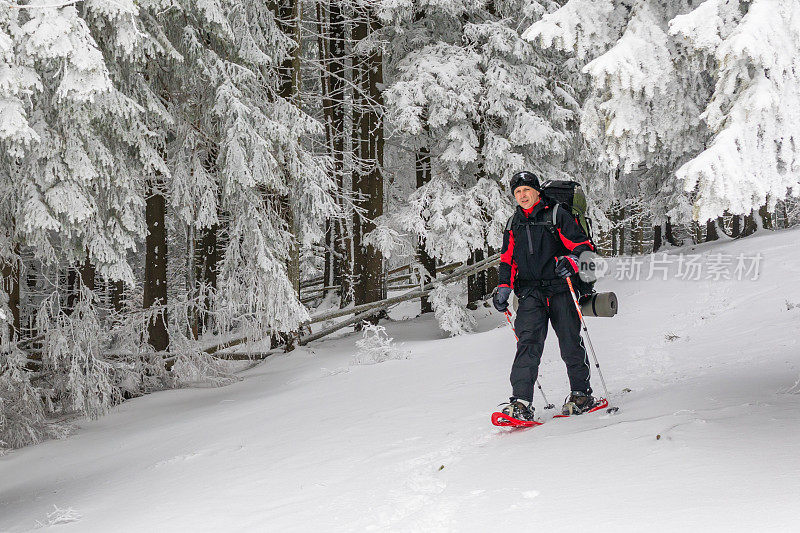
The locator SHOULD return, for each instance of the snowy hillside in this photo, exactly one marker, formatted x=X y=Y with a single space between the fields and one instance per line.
x=705 y=373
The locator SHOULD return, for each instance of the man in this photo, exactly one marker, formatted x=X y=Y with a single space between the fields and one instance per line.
x=535 y=262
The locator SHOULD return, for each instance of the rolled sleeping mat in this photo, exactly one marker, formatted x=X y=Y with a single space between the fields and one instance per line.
x=600 y=304
x=603 y=304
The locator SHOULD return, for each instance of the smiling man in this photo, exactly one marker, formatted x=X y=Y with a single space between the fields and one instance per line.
x=537 y=257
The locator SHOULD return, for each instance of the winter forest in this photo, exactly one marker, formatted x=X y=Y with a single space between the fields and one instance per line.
x=179 y=178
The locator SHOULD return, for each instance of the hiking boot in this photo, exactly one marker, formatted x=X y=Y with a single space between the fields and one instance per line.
x=578 y=402
x=519 y=409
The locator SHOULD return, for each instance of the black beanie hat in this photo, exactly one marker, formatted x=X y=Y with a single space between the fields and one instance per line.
x=526 y=178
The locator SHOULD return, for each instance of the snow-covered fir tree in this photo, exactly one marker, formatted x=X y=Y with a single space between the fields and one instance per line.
x=483 y=103
x=104 y=104
x=702 y=94
x=181 y=130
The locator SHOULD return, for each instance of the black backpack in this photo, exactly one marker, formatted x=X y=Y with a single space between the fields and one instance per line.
x=568 y=195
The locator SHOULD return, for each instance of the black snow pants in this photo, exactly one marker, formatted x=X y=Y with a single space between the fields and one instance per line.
x=536 y=306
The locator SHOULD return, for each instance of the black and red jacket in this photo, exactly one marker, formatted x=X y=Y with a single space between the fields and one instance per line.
x=530 y=248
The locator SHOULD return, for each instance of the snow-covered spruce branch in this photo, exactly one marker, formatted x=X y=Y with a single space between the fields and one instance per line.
x=12 y=5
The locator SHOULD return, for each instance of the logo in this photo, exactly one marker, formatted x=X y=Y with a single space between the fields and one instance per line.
x=591 y=267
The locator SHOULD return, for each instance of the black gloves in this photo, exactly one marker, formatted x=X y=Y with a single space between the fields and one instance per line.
x=567 y=265
x=500 y=298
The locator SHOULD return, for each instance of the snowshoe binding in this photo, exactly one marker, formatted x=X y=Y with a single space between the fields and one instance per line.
x=579 y=402
x=515 y=413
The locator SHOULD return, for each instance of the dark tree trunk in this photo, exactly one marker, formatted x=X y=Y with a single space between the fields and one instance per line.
x=766 y=217
x=206 y=260
x=88 y=274
x=492 y=275
x=750 y=226
x=368 y=177
x=476 y=285
x=79 y=276
x=342 y=267
x=289 y=21
x=711 y=230
x=423 y=169
x=155 y=267
x=736 y=226
x=721 y=226
x=785 y=212
x=669 y=235
x=72 y=289
x=332 y=52
x=656 y=238
x=323 y=52
x=614 y=231
x=117 y=291
x=206 y=256
x=329 y=258
x=621 y=226
x=11 y=279
x=637 y=230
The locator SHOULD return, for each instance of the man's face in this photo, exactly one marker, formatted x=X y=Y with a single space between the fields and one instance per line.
x=526 y=196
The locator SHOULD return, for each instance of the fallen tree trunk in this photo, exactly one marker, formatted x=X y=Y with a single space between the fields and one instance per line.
x=459 y=273
x=363 y=311
x=360 y=312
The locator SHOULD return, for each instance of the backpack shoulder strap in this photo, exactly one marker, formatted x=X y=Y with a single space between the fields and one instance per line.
x=508 y=224
x=555 y=213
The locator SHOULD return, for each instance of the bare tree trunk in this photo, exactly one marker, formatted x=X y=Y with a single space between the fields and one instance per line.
x=637 y=230
x=711 y=230
x=766 y=217
x=621 y=225
x=736 y=226
x=290 y=90
x=492 y=274
x=78 y=276
x=750 y=226
x=288 y=14
x=117 y=295
x=206 y=260
x=192 y=283
x=376 y=153
x=697 y=232
x=155 y=267
x=10 y=269
x=656 y=237
x=476 y=284
x=614 y=230
x=423 y=169
x=669 y=234
x=342 y=268
x=368 y=177
x=88 y=274
x=785 y=214
x=72 y=289
x=323 y=52
x=331 y=28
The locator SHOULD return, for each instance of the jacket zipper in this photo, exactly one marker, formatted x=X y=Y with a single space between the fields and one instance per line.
x=530 y=240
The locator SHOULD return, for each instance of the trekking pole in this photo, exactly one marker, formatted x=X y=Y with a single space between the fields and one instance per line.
x=589 y=341
x=547 y=405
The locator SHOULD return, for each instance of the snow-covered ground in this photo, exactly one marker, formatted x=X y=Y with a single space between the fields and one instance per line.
x=706 y=438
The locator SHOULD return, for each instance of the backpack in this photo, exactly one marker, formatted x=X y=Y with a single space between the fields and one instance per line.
x=568 y=195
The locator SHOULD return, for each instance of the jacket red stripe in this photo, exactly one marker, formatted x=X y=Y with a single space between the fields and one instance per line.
x=572 y=245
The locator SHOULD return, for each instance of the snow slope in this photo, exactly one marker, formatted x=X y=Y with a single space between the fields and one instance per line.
x=706 y=439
